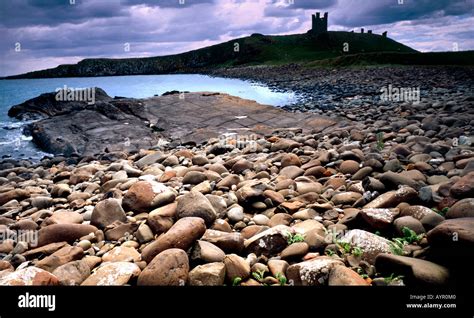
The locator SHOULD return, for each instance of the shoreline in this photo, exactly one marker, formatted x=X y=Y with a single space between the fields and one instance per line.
x=348 y=98
x=372 y=199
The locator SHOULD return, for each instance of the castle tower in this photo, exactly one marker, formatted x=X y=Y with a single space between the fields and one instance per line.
x=320 y=25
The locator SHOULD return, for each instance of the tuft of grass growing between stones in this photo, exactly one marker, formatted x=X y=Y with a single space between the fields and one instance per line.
x=259 y=275
x=392 y=278
x=380 y=143
x=441 y=212
x=236 y=281
x=294 y=238
x=281 y=279
x=409 y=237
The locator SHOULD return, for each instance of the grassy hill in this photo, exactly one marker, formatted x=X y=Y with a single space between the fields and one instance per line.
x=304 y=47
x=251 y=50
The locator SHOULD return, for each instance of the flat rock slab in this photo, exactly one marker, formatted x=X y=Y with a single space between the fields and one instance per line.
x=222 y=113
x=131 y=124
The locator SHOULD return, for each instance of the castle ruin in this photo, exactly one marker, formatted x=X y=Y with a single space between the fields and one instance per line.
x=320 y=25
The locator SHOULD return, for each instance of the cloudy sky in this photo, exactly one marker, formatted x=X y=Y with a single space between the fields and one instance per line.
x=38 y=34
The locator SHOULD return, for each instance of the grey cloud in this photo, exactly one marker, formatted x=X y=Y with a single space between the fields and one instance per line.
x=291 y=8
x=304 y=4
x=273 y=11
x=166 y=3
x=106 y=37
x=312 y=4
x=22 y=13
x=353 y=13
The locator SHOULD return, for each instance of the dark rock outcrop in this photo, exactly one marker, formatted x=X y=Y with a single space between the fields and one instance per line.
x=46 y=105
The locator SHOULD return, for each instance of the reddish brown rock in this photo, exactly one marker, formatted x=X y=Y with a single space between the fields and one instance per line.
x=45 y=250
x=221 y=225
x=392 y=198
x=118 y=229
x=6 y=246
x=291 y=172
x=5 y=265
x=228 y=181
x=284 y=144
x=316 y=171
x=60 y=190
x=290 y=159
x=346 y=198
x=464 y=187
x=370 y=244
x=29 y=276
x=277 y=267
x=343 y=276
x=269 y=242
x=417 y=272
x=62 y=217
x=291 y=207
x=143 y=196
x=212 y=274
x=313 y=272
x=454 y=235
x=194 y=177
x=60 y=257
x=296 y=250
x=277 y=198
x=25 y=224
x=416 y=211
x=195 y=204
x=349 y=167
x=168 y=268
x=78 y=178
x=161 y=220
x=335 y=182
x=251 y=230
x=236 y=266
x=167 y=176
x=181 y=235
x=309 y=226
x=73 y=273
x=280 y=219
x=63 y=232
x=112 y=274
x=229 y=242
x=241 y=165
x=139 y=197
x=379 y=219
x=461 y=209
x=122 y=254
x=106 y=212
x=207 y=252
x=17 y=194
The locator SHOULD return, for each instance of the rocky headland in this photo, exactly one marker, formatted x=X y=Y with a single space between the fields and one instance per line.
x=79 y=128
x=374 y=193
